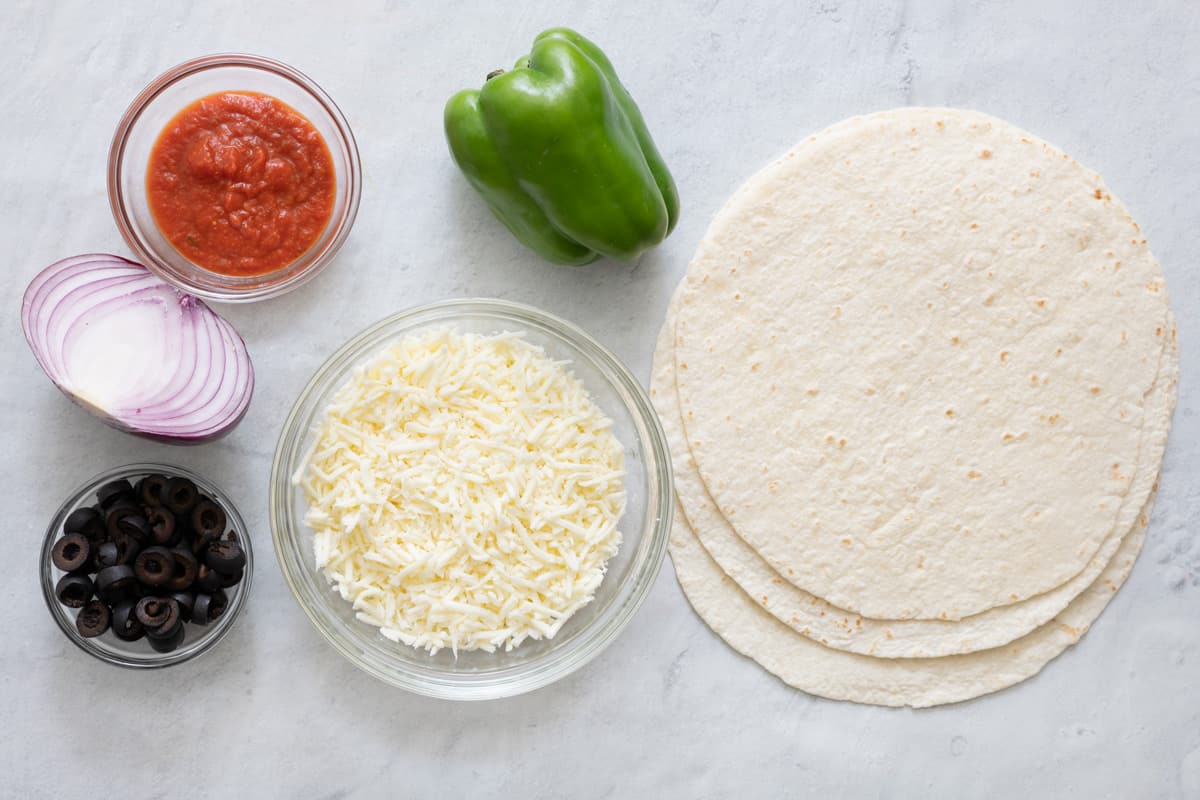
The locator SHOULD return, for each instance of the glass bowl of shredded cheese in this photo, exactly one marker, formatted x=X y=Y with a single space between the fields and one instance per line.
x=471 y=499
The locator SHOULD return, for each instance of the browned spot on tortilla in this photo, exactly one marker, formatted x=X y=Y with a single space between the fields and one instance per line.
x=869 y=390
x=841 y=442
x=1099 y=195
x=1033 y=379
x=941 y=125
x=813 y=392
x=986 y=154
x=950 y=413
x=953 y=340
x=829 y=439
x=1003 y=356
x=1094 y=390
x=754 y=367
x=888 y=634
x=973 y=475
x=1053 y=418
x=1008 y=437
x=847 y=542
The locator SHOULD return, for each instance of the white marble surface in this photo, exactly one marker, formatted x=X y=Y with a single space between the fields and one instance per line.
x=668 y=710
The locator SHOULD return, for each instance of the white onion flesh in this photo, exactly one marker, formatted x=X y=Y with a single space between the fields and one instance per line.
x=141 y=355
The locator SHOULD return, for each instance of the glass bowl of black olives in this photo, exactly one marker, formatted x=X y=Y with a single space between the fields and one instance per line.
x=146 y=565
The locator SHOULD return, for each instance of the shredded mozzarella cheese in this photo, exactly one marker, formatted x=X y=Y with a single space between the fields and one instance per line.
x=464 y=492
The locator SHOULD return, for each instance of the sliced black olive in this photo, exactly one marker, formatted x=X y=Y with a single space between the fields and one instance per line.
x=136 y=527
x=167 y=627
x=170 y=642
x=185 y=600
x=125 y=622
x=74 y=590
x=200 y=543
x=81 y=520
x=127 y=549
x=232 y=579
x=115 y=582
x=185 y=567
x=107 y=555
x=115 y=522
x=154 y=566
x=93 y=619
x=225 y=557
x=111 y=492
x=209 y=607
x=207 y=579
x=162 y=527
x=157 y=613
x=71 y=552
x=150 y=489
x=96 y=532
x=208 y=519
x=180 y=495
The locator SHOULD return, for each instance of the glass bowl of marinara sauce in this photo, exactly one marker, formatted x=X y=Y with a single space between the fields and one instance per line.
x=234 y=177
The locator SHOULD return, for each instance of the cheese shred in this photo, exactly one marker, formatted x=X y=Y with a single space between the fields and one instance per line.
x=464 y=492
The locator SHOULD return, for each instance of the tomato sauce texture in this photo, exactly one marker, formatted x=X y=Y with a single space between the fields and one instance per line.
x=241 y=183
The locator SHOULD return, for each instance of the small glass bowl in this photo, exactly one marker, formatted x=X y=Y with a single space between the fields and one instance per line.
x=165 y=97
x=477 y=675
x=139 y=655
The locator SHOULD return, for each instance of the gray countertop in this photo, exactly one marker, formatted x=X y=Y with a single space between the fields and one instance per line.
x=668 y=710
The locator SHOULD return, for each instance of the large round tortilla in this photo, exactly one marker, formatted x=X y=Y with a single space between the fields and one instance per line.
x=843 y=630
x=917 y=682
x=912 y=360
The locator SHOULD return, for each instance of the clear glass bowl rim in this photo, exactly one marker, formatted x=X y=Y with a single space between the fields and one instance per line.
x=212 y=634
x=554 y=666
x=129 y=119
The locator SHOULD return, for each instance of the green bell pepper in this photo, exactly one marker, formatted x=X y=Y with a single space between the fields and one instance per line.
x=561 y=154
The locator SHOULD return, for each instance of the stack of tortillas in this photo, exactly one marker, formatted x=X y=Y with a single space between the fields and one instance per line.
x=917 y=385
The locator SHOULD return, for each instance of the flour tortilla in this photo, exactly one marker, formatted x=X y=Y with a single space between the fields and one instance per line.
x=912 y=360
x=917 y=682
x=816 y=619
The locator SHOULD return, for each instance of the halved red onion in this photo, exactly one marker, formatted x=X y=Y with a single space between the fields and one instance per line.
x=136 y=352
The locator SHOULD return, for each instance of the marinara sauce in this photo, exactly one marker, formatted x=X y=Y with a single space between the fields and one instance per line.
x=241 y=183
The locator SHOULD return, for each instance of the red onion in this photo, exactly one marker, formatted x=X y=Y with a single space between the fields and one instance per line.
x=136 y=352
